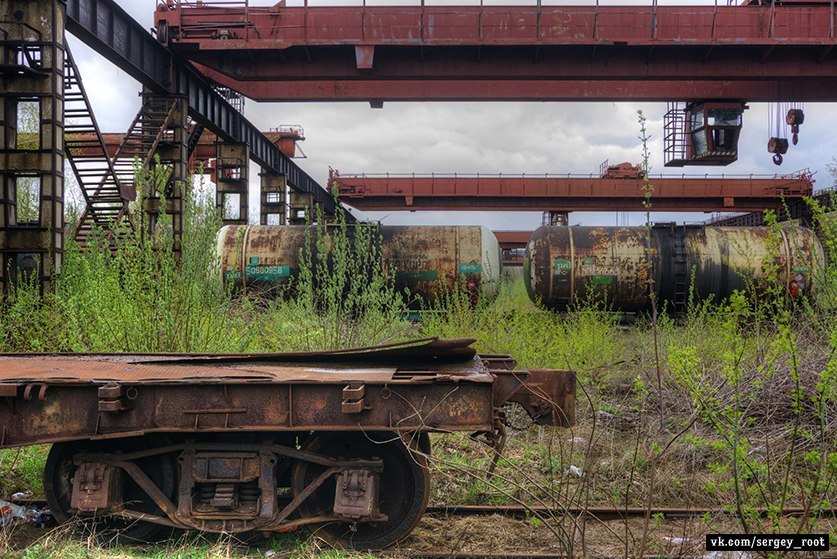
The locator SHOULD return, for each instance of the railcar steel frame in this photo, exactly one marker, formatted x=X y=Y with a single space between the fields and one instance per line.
x=265 y=402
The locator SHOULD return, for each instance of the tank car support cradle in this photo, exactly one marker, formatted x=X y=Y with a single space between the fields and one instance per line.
x=212 y=476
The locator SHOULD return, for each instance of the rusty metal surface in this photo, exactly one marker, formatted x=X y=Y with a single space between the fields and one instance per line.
x=792 y=211
x=427 y=384
x=32 y=157
x=433 y=260
x=72 y=411
x=548 y=396
x=234 y=26
x=566 y=265
x=229 y=428
x=395 y=362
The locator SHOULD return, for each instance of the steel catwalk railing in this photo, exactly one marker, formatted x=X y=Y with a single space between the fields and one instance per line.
x=240 y=17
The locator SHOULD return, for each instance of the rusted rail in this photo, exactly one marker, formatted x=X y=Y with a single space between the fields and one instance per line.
x=487 y=555
x=602 y=513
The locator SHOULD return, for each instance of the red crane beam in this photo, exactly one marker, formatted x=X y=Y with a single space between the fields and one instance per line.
x=569 y=193
x=512 y=243
x=510 y=240
x=753 y=53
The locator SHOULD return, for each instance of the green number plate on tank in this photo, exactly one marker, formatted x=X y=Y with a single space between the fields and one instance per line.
x=470 y=268
x=601 y=280
x=232 y=275
x=267 y=273
x=560 y=264
x=801 y=269
x=561 y=270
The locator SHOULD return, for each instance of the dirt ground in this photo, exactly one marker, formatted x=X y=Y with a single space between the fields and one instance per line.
x=489 y=535
x=497 y=534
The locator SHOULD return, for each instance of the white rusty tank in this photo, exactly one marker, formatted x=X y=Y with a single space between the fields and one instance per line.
x=425 y=259
x=566 y=265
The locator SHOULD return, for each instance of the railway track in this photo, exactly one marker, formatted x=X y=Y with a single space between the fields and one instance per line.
x=487 y=555
x=602 y=513
x=521 y=512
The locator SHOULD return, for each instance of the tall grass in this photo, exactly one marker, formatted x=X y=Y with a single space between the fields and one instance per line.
x=136 y=297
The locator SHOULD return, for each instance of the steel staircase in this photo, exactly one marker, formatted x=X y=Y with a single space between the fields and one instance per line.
x=147 y=131
x=103 y=191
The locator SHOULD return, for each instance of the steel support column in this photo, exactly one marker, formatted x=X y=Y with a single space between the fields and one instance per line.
x=232 y=166
x=170 y=180
x=31 y=140
x=272 y=210
x=302 y=209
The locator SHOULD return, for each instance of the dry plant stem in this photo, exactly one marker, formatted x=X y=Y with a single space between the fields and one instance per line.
x=479 y=474
x=648 y=189
x=588 y=462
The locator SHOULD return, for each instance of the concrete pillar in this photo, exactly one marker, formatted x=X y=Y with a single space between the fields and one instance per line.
x=232 y=166
x=31 y=141
x=273 y=198
x=556 y=218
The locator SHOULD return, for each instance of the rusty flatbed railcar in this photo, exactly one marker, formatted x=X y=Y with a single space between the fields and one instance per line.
x=268 y=442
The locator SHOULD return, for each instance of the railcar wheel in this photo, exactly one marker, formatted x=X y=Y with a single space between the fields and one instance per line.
x=404 y=488
x=58 y=486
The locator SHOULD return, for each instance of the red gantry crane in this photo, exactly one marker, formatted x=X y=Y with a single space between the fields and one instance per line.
x=616 y=188
x=706 y=60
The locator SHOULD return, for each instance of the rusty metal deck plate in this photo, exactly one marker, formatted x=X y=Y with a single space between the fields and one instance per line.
x=421 y=385
x=425 y=360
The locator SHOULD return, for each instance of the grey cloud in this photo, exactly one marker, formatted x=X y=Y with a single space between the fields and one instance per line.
x=512 y=138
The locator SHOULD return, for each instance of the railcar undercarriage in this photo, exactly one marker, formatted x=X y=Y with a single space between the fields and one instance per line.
x=337 y=441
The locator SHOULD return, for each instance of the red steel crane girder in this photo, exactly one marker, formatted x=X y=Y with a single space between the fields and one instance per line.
x=466 y=52
x=510 y=240
x=568 y=193
x=814 y=90
x=278 y=27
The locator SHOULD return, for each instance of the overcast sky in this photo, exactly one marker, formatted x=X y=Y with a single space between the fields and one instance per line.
x=448 y=137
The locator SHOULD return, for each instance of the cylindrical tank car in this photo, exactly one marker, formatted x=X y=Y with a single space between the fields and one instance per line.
x=425 y=260
x=565 y=265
